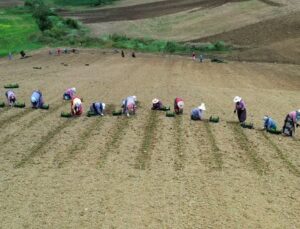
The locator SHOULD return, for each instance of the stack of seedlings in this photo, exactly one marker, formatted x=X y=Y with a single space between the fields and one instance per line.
x=11 y=85
x=214 y=119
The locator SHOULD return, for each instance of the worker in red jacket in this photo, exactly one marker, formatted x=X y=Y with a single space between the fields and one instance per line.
x=178 y=105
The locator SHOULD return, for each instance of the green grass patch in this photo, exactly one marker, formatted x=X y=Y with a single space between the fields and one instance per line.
x=16 y=30
x=151 y=45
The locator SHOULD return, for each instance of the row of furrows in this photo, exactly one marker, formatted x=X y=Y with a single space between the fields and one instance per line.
x=257 y=162
x=144 y=156
x=39 y=148
x=31 y=123
x=179 y=162
x=82 y=141
x=285 y=160
x=214 y=147
x=150 y=130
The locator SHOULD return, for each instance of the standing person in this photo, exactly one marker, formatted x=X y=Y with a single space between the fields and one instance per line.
x=129 y=105
x=269 y=123
x=240 y=109
x=198 y=112
x=98 y=108
x=11 y=97
x=194 y=56
x=10 y=56
x=76 y=106
x=290 y=123
x=201 y=58
x=178 y=105
x=37 y=100
x=69 y=93
x=133 y=54
x=156 y=104
x=58 y=51
x=122 y=54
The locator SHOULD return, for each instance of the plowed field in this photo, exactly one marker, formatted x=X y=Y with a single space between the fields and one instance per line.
x=148 y=171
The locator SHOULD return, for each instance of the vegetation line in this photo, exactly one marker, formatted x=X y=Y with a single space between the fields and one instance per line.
x=144 y=156
x=84 y=136
x=179 y=161
x=292 y=168
x=37 y=149
x=11 y=119
x=31 y=123
x=215 y=148
x=258 y=163
x=114 y=138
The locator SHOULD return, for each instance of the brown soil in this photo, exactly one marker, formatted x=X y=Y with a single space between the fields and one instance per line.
x=261 y=33
x=141 y=11
x=274 y=40
x=148 y=170
x=9 y=3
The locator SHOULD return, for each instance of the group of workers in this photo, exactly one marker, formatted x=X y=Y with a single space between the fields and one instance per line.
x=36 y=98
x=129 y=106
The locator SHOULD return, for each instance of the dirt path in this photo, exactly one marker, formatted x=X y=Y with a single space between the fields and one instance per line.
x=149 y=170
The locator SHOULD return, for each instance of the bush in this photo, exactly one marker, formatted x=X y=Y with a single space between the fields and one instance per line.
x=72 y=23
x=220 y=46
x=170 y=47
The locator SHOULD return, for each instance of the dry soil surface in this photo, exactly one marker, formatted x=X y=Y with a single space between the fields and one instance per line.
x=148 y=171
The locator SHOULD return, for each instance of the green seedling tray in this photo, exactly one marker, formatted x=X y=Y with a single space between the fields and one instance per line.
x=11 y=85
x=247 y=125
x=19 y=105
x=91 y=113
x=45 y=107
x=2 y=104
x=117 y=113
x=165 y=108
x=215 y=119
x=274 y=131
x=170 y=114
x=66 y=114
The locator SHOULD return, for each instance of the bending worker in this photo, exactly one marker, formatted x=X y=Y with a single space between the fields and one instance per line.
x=11 y=97
x=69 y=93
x=37 y=100
x=290 y=123
x=269 y=123
x=198 y=112
x=98 y=108
x=178 y=105
x=129 y=105
x=156 y=104
x=76 y=106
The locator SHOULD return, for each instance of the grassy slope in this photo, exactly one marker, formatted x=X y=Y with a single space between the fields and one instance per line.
x=16 y=27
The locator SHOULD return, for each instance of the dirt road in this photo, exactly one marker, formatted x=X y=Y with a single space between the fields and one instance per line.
x=148 y=171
